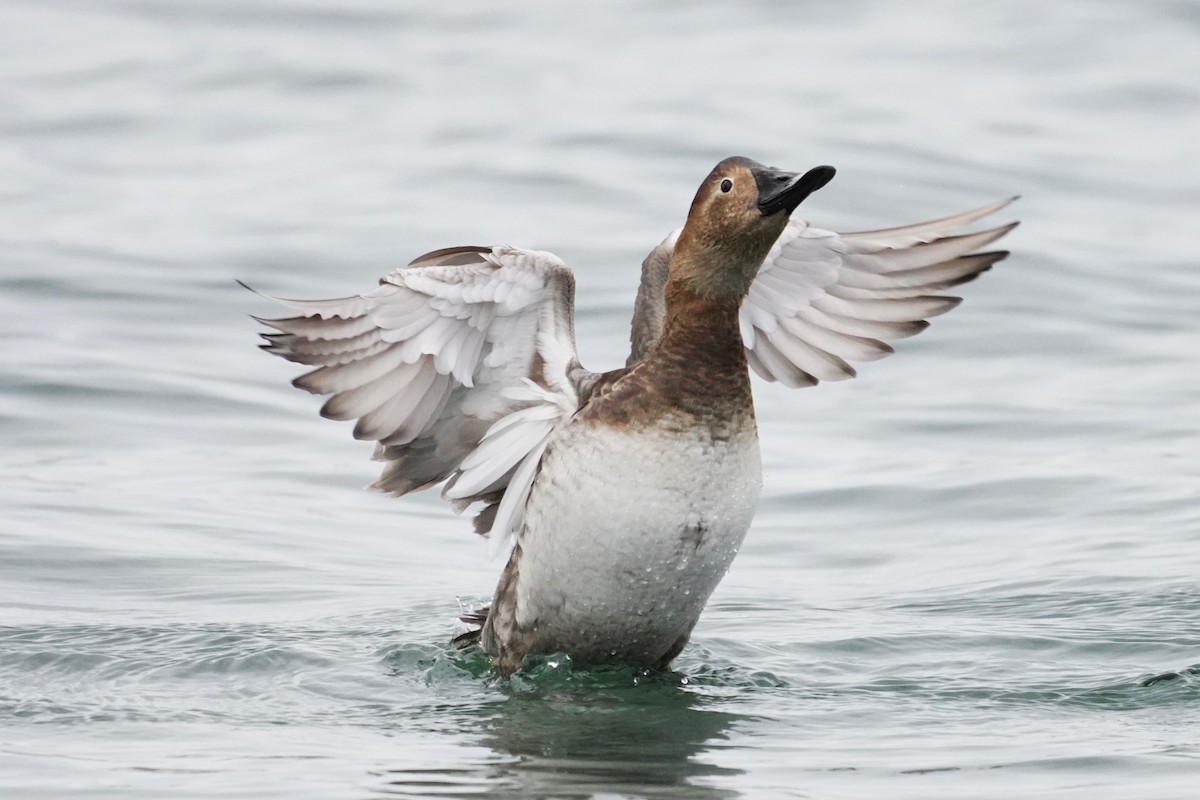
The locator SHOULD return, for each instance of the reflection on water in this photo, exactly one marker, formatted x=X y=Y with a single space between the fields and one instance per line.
x=592 y=734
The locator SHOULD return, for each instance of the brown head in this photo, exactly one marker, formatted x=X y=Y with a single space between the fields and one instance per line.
x=739 y=212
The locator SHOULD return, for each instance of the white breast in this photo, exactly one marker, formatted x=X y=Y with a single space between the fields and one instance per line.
x=627 y=533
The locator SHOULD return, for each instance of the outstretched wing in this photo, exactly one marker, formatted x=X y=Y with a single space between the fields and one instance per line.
x=822 y=300
x=459 y=366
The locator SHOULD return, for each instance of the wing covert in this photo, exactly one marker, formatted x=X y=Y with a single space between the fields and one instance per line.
x=459 y=366
x=823 y=300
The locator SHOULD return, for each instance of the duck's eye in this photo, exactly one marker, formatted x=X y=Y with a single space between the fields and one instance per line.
x=726 y=185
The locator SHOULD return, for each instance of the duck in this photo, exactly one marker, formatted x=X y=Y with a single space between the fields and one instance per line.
x=620 y=497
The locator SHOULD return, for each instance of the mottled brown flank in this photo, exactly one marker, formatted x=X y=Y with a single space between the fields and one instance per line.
x=537 y=370
x=500 y=637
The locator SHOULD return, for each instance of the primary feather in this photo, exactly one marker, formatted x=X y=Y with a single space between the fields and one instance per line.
x=463 y=364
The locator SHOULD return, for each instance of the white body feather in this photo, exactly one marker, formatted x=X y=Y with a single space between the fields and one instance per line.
x=608 y=559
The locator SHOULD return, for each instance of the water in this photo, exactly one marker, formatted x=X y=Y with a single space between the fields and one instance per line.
x=974 y=570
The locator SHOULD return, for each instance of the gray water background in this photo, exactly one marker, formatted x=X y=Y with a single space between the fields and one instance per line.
x=974 y=572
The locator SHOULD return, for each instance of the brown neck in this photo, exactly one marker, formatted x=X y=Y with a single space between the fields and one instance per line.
x=709 y=269
x=700 y=363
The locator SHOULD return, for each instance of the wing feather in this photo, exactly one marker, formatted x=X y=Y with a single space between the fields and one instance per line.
x=818 y=363
x=422 y=415
x=844 y=345
x=779 y=366
x=822 y=300
x=909 y=235
x=904 y=309
x=926 y=254
x=403 y=396
x=462 y=365
x=432 y=361
x=365 y=398
x=336 y=378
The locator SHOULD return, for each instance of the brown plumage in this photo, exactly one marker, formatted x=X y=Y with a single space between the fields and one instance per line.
x=626 y=494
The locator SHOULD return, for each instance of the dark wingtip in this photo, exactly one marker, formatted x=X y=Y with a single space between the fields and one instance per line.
x=451 y=256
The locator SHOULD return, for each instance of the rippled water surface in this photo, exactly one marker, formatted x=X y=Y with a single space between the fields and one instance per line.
x=974 y=572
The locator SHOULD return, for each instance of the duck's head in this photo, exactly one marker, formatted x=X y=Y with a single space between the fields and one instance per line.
x=739 y=212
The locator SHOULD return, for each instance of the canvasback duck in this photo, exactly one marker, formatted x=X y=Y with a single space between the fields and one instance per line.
x=624 y=495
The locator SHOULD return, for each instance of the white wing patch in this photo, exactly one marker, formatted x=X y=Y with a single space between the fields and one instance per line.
x=460 y=366
x=511 y=451
x=822 y=299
